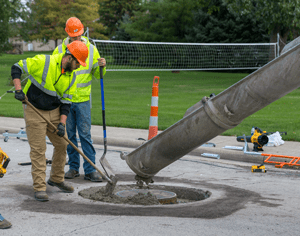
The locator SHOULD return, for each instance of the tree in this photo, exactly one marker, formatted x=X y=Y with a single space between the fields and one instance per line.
x=48 y=18
x=162 y=21
x=112 y=11
x=222 y=26
x=120 y=33
x=278 y=16
x=10 y=11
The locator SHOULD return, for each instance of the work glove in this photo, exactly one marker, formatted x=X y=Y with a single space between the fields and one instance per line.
x=61 y=129
x=20 y=95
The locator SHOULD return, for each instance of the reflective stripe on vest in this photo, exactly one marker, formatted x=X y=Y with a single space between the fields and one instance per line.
x=17 y=65
x=46 y=68
x=88 y=71
x=71 y=84
x=60 y=49
x=65 y=102
x=82 y=85
x=37 y=84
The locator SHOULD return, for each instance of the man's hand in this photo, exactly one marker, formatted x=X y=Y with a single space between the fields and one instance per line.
x=61 y=129
x=101 y=62
x=20 y=95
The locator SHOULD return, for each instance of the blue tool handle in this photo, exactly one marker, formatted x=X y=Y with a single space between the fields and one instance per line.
x=103 y=104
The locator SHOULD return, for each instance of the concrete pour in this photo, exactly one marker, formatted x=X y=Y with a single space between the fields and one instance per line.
x=184 y=195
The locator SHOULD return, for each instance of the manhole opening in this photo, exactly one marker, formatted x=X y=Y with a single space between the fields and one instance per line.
x=155 y=195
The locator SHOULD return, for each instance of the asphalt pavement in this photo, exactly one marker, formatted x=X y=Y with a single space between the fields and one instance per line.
x=242 y=202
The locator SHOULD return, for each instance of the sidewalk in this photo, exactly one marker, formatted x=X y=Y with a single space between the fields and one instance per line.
x=133 y=138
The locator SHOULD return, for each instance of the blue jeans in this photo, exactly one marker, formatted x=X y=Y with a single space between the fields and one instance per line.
x=80 y=118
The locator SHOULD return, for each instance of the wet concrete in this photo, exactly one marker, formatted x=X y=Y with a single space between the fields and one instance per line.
x=184 y=195
x=224 y=201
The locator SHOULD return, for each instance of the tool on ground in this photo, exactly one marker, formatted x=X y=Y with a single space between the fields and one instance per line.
x=293 y=162
x=110 y=181
x=20 y=134
x=259 y=138
x=260 y=168
x=103 y=161
x=255 y=168
x=4 y=160
x=234 y=148
x=211 y=155
x=29 y=163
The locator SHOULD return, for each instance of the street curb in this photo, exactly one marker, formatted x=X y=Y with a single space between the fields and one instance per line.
x=96 y=139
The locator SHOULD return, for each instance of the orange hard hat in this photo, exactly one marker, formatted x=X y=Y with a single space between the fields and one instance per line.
x=79 y=50
x=74 y=27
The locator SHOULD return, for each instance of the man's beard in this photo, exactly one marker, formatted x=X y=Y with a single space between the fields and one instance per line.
x=68 y=67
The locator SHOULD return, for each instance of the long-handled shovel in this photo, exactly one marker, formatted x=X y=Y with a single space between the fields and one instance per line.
x=112 y=181
x=104 y=163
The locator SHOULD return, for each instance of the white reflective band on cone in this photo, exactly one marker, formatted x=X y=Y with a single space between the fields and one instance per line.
x=154 y=101
x=153 y=121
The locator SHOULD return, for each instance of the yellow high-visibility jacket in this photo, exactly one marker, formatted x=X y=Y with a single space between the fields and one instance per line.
x=84 y=75
x=45 y=72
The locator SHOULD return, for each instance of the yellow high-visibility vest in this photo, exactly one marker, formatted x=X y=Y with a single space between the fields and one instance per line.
x=45 y=73
x=84 y=75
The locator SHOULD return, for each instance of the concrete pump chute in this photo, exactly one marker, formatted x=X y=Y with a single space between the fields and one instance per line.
x=212 y=116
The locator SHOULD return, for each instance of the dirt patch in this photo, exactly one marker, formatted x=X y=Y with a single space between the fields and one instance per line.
x=184 y=195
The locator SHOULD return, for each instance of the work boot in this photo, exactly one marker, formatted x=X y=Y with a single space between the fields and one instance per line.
x=41 y=196
x=67 y=188
x=4 y=224
x=71 y=174
x=94 y=177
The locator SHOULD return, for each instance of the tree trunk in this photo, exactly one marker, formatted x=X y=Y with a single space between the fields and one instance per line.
x=283 y=34
x=295 y=32
x=274 y=32
x=273 y=39
x=283 y=40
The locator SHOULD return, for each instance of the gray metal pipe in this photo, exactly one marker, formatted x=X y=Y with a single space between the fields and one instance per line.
x=211 y=117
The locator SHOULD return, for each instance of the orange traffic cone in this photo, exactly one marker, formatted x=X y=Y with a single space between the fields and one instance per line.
x=153 y=123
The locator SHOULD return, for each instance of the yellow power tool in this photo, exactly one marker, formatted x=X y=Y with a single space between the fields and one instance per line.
x=4 y=160
x=260 y=168
x=259 y=138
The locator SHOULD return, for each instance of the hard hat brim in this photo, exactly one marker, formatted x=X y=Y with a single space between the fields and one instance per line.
x=83 y=63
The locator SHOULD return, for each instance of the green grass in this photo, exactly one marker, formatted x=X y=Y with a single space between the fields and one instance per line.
x=128 y=99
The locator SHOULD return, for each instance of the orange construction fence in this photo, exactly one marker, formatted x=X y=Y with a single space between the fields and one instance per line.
x=280 y=164
x=153 y=123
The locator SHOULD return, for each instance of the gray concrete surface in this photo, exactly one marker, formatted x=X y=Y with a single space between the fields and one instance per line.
x=242 y=202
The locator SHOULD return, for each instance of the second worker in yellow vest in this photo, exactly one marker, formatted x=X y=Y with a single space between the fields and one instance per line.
x=79 y=118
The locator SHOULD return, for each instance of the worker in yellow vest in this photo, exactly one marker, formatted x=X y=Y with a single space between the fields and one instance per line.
x=80 y=112
x=50 y=88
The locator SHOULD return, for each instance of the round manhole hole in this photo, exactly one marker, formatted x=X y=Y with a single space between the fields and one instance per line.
x=164 y=197
x=156 y=195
